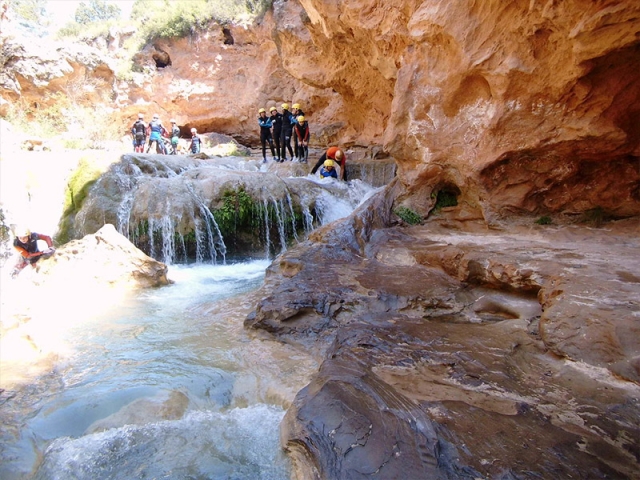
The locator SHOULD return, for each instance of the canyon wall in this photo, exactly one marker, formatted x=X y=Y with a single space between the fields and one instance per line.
x=517 y=108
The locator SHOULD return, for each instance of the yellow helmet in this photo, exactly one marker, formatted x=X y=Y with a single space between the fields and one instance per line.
x=285 y=106
x=23 y=232
x=296 y=106
x=262 y=110
x=329 y=163
x=301 y=119
x=272 y=109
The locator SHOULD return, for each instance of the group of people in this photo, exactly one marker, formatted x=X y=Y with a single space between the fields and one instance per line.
x=278 y=128
x=165 y=141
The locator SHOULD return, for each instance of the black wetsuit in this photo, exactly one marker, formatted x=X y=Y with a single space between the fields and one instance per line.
x=285 y=135
x=276 y=120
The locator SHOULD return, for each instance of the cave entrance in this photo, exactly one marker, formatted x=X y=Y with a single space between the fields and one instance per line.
x=161 y=58
x=445 y=196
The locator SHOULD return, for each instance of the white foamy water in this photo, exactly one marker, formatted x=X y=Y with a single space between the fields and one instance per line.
x=167 y=384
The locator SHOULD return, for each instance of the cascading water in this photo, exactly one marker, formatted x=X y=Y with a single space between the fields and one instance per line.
x=168 y=384
x=197 y=211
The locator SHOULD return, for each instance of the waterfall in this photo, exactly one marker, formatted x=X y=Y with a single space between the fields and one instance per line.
x=181 y=209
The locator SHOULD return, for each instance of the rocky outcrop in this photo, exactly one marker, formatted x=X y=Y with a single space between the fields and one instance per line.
x=35 y=71
x=460 y=354
x=104 y=258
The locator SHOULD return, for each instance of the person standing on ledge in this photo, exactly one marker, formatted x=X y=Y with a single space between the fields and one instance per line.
x=301 y=131
x=139 y=132
x=265 y=134
x=287 y=131
x=196 y=141
x=336 y=154
x=276 y=120
x=175 y=136
x=26 y=243
x=297 y=112
x=155 y=129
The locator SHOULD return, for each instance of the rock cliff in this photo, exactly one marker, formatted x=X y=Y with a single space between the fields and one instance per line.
x=523 y=107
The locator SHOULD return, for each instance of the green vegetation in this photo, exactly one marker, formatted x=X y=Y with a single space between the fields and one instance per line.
x=596 y=216
x=237 y=210
x=445 y=198
x=544 y=220
x=80 y=182
x=96 y=11
x=407 y=215
x=31 y=11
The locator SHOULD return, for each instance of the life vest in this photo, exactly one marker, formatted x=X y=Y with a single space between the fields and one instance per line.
x=302 y=131
x=277 y=122
x=156 y=127
x=175 y=131
x=139 y=129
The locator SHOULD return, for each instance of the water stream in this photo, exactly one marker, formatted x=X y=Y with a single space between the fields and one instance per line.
x=167 y=384
x=163 y=383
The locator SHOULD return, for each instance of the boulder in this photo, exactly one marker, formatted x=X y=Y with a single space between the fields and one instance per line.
x=105 y=258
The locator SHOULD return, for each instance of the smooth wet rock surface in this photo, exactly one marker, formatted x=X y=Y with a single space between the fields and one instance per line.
x=481 y=353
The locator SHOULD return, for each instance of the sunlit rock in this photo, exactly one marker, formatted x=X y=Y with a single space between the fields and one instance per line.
x=104 y=258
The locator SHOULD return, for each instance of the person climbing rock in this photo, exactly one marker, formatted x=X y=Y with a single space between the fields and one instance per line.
x=301 y=131
x=196 y=141
x=328 y=170
x=276 y=120
x=336 y=154
x=26 y=243
x=156 y=130
x=287 y=131
x=175 y=136
x=139 y=134
x=297 y=112
x=265 y=134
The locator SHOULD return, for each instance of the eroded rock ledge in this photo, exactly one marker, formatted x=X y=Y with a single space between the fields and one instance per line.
x=461 y=354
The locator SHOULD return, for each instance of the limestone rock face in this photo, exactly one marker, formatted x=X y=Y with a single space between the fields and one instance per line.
x=524 y=107
x=521 y=108
x=34 y=70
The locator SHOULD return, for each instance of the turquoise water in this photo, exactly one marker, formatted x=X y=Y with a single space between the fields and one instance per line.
x=167 y=384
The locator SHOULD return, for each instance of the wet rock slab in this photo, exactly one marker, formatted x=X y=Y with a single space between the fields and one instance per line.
x=477 y=354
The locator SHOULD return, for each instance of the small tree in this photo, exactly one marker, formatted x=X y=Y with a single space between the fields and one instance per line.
x=32 y=11
x=96 y=11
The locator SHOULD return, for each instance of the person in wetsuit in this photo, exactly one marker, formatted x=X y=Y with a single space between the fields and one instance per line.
x=276 y=121
x=287 y=132
x=301 y=131
x=265 y=134
x=296 y=112
x=175 y=136
x=328 y=170
x=155 y=131
x=26 y=243
x=139 y=133
x=336 y=154
x=196 y=141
